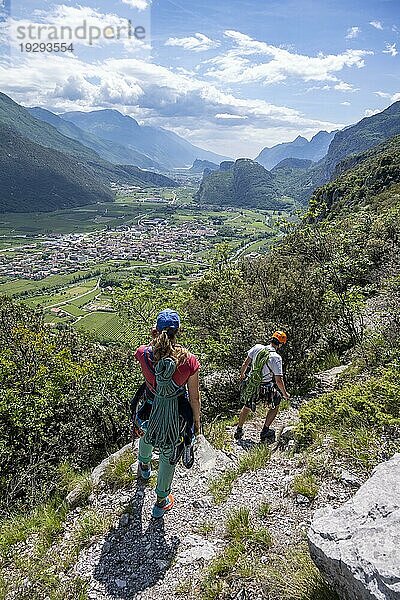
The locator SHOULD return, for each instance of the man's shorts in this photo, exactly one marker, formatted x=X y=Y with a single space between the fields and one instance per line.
x=267 y=393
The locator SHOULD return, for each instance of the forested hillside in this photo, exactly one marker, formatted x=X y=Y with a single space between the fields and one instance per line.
x=243 y=183
x=363 y=135
x=361 y=183
x=52 y=146
x=34 y=178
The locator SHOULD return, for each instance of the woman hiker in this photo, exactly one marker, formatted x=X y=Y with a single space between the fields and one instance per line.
x=172 y=390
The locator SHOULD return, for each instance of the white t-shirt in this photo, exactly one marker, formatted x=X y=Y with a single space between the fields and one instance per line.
x=274 y=361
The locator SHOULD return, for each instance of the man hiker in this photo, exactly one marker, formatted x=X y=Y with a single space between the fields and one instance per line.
x=172 y=395
x=261 y=378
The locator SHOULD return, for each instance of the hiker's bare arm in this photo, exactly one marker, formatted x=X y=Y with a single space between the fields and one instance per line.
x=244 y=368
x=194 y=399
x=281 y=385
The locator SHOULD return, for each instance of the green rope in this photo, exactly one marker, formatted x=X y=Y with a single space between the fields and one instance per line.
x=163 y=428
x=254 y=380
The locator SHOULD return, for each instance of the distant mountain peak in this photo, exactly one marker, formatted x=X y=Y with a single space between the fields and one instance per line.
x=314 y=150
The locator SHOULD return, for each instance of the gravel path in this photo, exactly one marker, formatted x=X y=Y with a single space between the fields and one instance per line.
x=148 y=559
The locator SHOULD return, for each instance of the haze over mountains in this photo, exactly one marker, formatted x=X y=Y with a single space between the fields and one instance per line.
x=295 y=179
x=91 y=151
x=162 y=146
x=314 y=150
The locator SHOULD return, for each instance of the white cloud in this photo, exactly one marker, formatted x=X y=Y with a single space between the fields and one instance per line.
x=369 y=112
x=342 y=86
x=138 y=4
x=345 y=103
x=382 y=94
x=197 y=43
x=391 y=49
x=392 y=97
x=395 y=29
x=234 y=66
x=376 y=24
x=229 y=116
x=82 y=25
x=353 y=32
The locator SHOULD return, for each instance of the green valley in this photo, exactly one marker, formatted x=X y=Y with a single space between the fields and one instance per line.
x=71 y=262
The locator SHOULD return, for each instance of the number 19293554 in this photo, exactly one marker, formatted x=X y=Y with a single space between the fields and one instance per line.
x=46 y=47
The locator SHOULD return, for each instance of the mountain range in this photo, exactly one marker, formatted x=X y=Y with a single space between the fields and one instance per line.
x=114 y=153
x=28 y=130
x=294 y=179
x=160 y=145
x=314 y=150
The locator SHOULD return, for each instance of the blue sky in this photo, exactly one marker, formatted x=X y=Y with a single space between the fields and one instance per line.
x=232 y=77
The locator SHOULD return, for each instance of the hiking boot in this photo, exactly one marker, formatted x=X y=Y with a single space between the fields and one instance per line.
x=160 y=508
x=144 y=471
x=238 y=433
x=267 y=435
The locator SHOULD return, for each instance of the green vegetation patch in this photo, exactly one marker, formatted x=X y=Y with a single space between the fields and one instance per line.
x=256 y=458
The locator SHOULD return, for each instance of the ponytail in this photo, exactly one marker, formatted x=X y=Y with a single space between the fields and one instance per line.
x=164 y=345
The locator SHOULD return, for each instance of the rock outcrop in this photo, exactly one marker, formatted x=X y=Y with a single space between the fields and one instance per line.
x=357 y=546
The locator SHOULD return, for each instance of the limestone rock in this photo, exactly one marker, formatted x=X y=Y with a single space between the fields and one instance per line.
x=100 y=470
x=357 y=545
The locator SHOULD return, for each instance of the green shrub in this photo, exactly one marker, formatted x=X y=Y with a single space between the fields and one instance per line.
x=306 y=485
x=371 y=404
x=62 y=399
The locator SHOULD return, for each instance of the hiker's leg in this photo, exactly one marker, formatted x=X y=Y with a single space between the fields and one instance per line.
x=165 y=475
x=244 y=413
x=271 y=414
x=145 y=452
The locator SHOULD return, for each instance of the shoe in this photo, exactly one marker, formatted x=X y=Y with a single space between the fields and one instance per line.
x=238 y=433
x=267 y=435
x=159 y=510
x=144 y=471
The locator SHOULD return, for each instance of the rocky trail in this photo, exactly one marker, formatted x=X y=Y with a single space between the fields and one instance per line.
x=139 y=557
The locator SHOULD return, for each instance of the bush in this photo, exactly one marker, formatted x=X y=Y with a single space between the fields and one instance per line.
x=62 y=399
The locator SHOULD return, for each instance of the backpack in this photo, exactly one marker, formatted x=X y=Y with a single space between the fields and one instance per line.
x=163 y=415
x=252 y=383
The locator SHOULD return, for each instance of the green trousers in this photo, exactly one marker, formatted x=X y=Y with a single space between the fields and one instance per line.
x=165 y=469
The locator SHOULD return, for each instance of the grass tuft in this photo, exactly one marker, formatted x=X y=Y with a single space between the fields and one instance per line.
x=205 y=528
x=306 y=485
x=119 y=474
x=264 y=510
x=256 y=458
x=240 y=528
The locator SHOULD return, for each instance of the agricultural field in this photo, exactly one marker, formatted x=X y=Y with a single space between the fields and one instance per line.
x=83 y=298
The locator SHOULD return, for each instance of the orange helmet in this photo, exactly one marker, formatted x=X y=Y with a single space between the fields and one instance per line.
x=280 y=336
